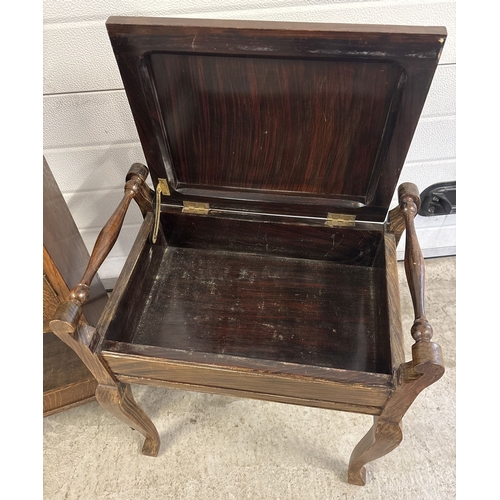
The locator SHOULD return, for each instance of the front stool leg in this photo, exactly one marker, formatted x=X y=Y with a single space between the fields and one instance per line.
x=73 y=330
x=114 y=396
x=118 y=400
x=381 y=439
x=426 y=366
x=411 y=379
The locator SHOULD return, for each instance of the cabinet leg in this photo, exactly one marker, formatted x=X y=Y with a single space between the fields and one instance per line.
x=381 y=439
x=118 y=400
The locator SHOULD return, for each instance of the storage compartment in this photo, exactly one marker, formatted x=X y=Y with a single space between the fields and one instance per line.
x=261 y=291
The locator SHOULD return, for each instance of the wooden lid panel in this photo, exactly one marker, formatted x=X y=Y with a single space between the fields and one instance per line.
x=286 y=125
x=287 y=118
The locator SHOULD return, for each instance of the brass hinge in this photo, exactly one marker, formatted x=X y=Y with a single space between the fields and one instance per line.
x=161 y=188
x=340 y=220
x=195 y=207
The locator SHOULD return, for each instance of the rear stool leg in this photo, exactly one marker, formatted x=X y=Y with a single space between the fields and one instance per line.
x=381 y=439
x=118 y=400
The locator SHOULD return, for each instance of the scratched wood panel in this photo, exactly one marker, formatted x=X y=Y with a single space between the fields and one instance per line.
x=307 y=389
x=303 y=401
x=204 y=300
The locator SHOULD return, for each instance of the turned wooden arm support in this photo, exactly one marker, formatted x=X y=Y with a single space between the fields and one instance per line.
x=68 y=313
x=426 y=354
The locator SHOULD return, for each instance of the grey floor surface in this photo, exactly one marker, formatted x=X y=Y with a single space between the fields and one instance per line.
x=219 y=447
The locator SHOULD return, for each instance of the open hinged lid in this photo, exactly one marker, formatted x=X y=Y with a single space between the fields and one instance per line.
x=279 y=118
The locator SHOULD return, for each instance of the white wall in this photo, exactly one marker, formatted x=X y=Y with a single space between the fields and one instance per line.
x=90 y=139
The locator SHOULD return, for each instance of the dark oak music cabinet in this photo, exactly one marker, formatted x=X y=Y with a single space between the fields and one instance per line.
x=67 y=382
x=266 y=263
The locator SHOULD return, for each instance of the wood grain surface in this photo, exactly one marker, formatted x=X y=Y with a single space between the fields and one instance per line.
x=297 y=310
x=291 y=114
x=296 y=240
x=67 y=382
x=69 y=396
x=276 y=117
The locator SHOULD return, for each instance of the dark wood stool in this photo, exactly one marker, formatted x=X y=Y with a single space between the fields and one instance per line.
x=266 y=264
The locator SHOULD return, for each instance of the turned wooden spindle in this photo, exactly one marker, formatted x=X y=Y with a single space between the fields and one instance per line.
x=409 y=203
x=109 y=233
x=69 y=312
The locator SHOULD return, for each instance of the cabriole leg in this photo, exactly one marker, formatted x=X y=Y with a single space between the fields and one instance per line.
x=381 y=439
x=118 y=400
x=426 y=366
x=386 y=434
x=73 y=330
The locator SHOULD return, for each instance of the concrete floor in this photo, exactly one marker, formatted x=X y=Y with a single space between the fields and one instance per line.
x=216 y=447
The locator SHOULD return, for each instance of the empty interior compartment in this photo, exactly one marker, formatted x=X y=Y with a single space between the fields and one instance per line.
x=282 y=292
